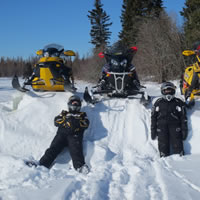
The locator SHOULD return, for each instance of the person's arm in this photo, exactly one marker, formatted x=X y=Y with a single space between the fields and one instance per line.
x=60 y=120
x=184 y=125
x=78 y=124
x=84 y=122
x=154 y=113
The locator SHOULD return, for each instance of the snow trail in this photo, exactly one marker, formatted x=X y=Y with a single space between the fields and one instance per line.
x=129 y=162
x=181 y=177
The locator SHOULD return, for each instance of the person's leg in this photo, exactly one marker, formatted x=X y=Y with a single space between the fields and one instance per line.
x=76 y=151
x=176 y=140
x=163 y=141
x=55 y=148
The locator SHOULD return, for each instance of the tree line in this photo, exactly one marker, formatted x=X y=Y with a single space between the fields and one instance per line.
x=16 y=66
x=145 y=24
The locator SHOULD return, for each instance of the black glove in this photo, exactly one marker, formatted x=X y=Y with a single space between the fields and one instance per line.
x=64 y=112
x=72 y=123
x=76 y=123
x=153 y=135
x=67 y=124
x=184 y=134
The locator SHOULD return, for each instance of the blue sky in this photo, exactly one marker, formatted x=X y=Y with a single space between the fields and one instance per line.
x=28 y=25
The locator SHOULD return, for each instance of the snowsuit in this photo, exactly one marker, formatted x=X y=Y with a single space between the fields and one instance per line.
x=169 y=123
x=71 y=127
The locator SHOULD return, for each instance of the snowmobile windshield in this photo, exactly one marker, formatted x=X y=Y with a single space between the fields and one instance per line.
x=119 y=57
x=118 y=63
x=53 y=50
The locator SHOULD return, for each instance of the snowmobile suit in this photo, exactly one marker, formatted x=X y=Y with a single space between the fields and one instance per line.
x=169 y=123
x=71 y=127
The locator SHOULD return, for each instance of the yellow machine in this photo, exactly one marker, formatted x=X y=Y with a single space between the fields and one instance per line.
x=190 y=86
x=50 y=73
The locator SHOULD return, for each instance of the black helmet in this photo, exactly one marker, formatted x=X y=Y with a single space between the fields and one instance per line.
x=74 y=103
x=168 y=90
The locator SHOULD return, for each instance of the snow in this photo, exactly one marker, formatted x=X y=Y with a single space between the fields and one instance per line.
x=124 y=161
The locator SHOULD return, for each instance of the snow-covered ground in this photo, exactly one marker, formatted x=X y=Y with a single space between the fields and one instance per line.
x=124 y=161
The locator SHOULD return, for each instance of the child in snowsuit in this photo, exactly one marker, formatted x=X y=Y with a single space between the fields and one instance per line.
x=169 y=121
x=71 y=126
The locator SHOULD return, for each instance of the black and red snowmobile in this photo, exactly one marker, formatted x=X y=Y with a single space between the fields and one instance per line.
x=119 y=78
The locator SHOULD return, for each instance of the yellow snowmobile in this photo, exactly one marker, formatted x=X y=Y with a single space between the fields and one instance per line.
x=50 y=73
x=190 y=84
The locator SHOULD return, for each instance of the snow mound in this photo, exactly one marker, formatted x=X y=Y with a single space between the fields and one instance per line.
x=124 y=161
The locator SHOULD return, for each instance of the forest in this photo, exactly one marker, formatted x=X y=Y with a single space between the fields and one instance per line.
x=145 y=24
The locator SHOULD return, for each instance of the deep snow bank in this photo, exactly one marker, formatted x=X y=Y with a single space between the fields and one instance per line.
x=124 y=161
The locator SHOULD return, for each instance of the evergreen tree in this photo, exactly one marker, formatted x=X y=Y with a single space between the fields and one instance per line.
x=191 y=14
x=128 y=32
x=133 y=13
x=99 y=33
x=154 y=8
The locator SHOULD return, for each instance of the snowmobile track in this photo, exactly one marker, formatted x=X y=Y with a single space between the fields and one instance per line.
x=181 y=177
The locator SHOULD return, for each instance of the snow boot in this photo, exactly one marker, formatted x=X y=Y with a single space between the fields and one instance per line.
x=31 y=163
x=84 y=169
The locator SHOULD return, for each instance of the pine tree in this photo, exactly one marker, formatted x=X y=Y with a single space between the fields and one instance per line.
x=154 y=8
x=191 y=14
x=133 y=14
x=99 y=33
x=128 y=32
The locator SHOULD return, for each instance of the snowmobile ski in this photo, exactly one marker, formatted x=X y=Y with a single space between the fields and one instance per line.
x=16 y=85
x=145 y=101
x=90 y=97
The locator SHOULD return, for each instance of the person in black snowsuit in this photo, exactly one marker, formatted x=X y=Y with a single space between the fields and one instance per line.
x=169 y=121
x=71 y=126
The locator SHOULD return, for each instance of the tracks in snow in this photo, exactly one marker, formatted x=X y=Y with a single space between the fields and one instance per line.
x=130 y=170
x=118 y=147
x=134 y=171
